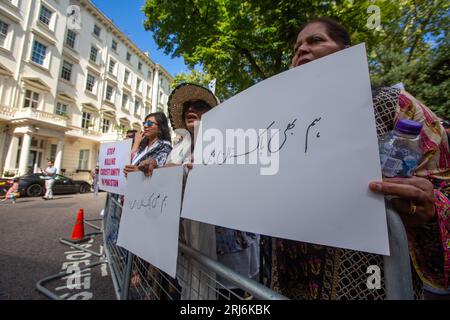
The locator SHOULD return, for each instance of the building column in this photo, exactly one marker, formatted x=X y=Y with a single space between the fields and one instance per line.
x=59 y=155
x=3 y=142
x=11 y=155
x=155 y=89
x=24 y=154
x=4 y=82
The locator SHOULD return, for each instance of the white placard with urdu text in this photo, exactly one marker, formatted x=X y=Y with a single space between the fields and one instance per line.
x=151 y=217
x=327 y=150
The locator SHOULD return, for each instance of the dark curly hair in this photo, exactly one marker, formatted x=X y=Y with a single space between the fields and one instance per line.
x=163 y=125
x=335 y=30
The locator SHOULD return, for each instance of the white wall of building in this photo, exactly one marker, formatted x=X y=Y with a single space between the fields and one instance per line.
x=19 y=73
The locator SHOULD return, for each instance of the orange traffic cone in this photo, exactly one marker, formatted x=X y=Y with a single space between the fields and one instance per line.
x=78 y=229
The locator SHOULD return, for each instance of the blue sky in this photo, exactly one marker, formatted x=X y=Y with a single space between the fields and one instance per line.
x=128 y=17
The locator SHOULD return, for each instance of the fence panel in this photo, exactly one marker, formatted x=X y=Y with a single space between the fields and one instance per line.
x=200 y=278
x=117 y=257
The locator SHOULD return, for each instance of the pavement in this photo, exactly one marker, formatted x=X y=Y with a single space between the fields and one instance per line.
x=30 y=249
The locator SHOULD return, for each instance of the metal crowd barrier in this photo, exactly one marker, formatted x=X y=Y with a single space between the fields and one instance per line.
x=397 y=266
x=201 y=278
x=197 y=275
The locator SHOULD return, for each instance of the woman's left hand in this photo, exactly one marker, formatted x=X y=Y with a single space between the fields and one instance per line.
x=415 y=198
x=130 y=168
x=147 y=166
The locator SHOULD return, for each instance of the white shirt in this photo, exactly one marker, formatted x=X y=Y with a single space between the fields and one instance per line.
x=51 y=173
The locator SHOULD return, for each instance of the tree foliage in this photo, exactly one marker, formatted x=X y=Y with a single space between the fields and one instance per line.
x=241 y=42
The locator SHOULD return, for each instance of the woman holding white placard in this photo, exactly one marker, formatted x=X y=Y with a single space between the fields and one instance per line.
x=236 y=249
x=304 y=271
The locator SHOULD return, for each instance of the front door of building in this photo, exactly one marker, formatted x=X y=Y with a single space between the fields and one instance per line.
x=34 y=161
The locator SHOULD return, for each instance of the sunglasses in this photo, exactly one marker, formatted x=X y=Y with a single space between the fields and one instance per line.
x=199 y=106
x=148 y=123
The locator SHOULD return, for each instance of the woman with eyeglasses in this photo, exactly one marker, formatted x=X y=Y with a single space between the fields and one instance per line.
x=153 y=145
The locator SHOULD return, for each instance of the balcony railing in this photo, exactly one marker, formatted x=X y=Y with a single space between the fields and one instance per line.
x=38 y=115
x=112 y=136
x=84 y=133
x=95 y=135
x=6 y=113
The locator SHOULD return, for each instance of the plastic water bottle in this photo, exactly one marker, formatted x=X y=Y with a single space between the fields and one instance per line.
x=400 y=150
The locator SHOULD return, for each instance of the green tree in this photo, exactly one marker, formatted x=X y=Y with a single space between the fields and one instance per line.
x=200 y=78
x=241 y=42
x=415 y=51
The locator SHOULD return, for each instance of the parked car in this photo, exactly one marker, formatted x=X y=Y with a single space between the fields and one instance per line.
x=33 y=185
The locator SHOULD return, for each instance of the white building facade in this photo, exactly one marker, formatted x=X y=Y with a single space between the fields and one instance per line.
x=69 y=80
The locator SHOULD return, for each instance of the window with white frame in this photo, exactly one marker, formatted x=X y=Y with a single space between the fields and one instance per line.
x=137 y=106
x=112 y=66
x=14 y=2
x=53 y=148
x=106 y=124
x=93 y=55
x=128 y=56
x=125 y=100
x=126 y=78
x=61 y=109
x=39 y=53
x=83 y=161
x=66 y=70
x=86 y=120
x=31 y=99
x=71 y=38
x=45 y=15
x=3 y=33
x=90 y=83
x=109 y=92
x=140 y=66
x=114 y=45
x=138 y=84
x=97 y=30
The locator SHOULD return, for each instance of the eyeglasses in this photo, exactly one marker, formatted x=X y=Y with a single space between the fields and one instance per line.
x=148 y=123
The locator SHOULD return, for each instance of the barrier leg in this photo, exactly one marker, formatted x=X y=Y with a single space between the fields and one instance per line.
x=397 y=266
x=87 y=221
x=126 y=281
x=79 y=247
x=118 y=290
x=40 y=284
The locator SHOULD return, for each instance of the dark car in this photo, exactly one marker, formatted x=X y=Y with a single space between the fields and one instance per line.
x=33 y=185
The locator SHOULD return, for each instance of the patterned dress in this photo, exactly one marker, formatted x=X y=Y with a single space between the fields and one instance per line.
x=158 y=151
x=305 y=271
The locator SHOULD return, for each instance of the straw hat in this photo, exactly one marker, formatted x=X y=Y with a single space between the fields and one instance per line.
x=187 y=92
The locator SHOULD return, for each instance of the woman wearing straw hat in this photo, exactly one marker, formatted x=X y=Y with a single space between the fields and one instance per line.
x=187 y=104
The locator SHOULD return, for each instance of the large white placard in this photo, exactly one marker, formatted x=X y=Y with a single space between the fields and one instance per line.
x=310 y=182
x=112 y=160
x=151 y=217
